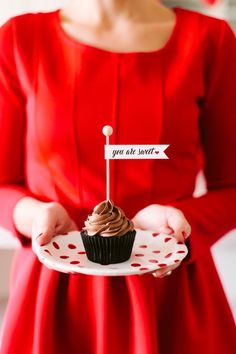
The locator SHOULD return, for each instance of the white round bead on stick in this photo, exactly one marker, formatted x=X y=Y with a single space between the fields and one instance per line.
x=107 y=130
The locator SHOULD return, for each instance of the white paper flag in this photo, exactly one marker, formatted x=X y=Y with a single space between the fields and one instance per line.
x=135 y=152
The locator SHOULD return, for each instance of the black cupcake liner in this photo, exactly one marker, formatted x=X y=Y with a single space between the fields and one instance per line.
x=108 y=250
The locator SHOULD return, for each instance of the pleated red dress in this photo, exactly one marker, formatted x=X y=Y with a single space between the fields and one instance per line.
x=56 y=94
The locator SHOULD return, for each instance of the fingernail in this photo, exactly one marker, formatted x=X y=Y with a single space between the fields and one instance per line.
x=184 y=236
x=42 y=242
x=39 y=240
x=39 y=235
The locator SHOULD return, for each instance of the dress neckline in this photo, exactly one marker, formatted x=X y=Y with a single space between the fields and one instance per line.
x=78 y=43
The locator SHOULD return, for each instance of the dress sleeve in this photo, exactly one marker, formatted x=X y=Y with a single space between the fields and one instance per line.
x=214 y=214
x=12 y=131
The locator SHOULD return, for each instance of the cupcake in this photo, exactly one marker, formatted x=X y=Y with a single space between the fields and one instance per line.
x=108 y=235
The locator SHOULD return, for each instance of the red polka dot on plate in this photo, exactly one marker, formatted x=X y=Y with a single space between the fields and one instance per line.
x=55 y=244
x=135 y=264
x=180 y=243
x=47 y=251
x=176 y=260
x=64 y=257
x=167 y=239
x=71 y=246
x=168 y=255
x=180 y=251
x=139 y=255
x=155 y=234
x=81 y=252
x=143 y=246
x=143 y=268
x=74 y=262
x=153 y=260
x=162 y=265
x=156 y=251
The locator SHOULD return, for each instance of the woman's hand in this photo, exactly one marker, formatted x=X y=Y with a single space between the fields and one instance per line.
x=41 y=220
x=163 y=219
x=52 y=219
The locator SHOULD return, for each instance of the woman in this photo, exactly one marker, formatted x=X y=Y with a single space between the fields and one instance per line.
x=157 y=75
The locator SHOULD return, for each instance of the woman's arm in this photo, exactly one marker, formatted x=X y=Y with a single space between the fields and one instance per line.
x=214 y=214
x=20 y=212
x=12 y=132
x=39 y=220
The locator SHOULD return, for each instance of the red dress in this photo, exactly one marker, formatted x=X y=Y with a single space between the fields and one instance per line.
x=56 y=94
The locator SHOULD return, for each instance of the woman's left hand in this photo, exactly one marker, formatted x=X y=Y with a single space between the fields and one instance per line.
x=163 y=219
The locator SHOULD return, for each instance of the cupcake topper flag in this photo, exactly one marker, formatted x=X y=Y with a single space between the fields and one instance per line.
x=113 y=152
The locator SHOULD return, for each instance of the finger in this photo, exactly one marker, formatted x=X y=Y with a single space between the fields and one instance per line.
x=137 y=224
x=70 y=225
x=188 y=230
x=45 y=236
x=166 y=274
x=179 y=224
x=171 y=269
x=73 y=226
x=43 y=230
x=166 y=230
x=161 y=273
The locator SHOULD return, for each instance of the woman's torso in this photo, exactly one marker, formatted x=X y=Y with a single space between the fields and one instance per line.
x=72 y=90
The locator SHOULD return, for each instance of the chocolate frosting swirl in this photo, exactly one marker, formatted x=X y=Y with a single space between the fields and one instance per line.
x=107 y=220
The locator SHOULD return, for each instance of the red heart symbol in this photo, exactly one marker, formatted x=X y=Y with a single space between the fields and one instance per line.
x=157 y=152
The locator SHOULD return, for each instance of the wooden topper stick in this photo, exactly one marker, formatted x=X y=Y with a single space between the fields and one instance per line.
x=107 y=131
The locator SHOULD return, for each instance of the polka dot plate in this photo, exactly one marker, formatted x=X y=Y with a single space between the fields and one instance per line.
x=151 y=251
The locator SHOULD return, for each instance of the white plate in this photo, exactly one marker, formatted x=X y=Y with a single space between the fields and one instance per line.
x=151 y=251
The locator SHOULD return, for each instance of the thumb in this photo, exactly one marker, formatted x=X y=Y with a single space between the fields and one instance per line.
x=44 y=237
x=136 y=223
x=70 y=225
x=43 y=230
x=179 y=224
x=73 y=226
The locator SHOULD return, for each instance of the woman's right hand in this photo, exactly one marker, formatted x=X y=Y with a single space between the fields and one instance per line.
x=51 y=220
